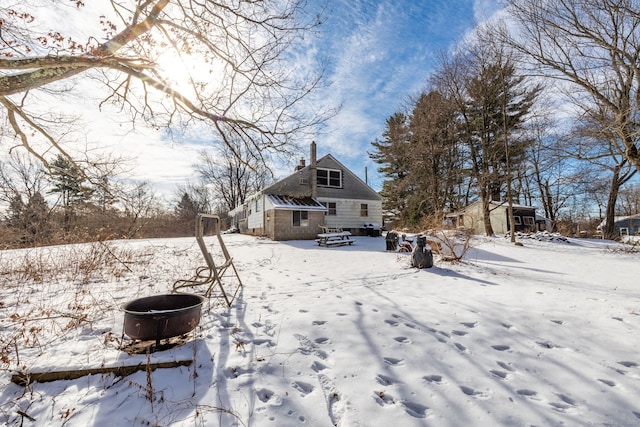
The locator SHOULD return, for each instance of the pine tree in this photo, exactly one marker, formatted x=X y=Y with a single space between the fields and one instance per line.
x=69 y=182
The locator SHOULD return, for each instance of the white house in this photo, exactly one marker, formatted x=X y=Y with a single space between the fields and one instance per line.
x=323 y=193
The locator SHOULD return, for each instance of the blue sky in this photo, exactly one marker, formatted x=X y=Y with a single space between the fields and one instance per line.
x=380 y=53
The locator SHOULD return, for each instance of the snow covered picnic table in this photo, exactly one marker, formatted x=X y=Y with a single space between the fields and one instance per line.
x=334 y=239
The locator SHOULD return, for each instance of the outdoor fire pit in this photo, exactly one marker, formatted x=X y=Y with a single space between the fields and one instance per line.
x=161 y=316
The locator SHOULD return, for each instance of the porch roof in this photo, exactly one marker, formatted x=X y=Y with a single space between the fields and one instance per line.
x=295 y=203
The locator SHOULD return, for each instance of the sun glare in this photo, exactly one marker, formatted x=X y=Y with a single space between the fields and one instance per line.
x=177 y=70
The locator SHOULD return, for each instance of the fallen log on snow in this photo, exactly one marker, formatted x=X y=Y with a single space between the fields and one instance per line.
x=25 y=378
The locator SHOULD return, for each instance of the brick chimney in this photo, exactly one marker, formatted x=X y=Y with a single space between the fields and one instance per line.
x=301 y=165
x=313 y=171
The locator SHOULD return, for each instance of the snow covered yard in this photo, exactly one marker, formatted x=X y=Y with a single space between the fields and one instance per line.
x=543 y=334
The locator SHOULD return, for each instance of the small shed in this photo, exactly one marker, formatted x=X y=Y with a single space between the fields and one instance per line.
x=624 y=225
x=525 y=219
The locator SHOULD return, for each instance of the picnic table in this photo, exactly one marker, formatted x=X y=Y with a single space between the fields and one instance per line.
x=334 y=239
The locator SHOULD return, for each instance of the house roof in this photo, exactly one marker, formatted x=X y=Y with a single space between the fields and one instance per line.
x=298 y=184
x=617 y=219
x=502 y=204
x=295 y=203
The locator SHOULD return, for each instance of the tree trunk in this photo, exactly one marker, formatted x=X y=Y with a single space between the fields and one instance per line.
x=486 y=214
x=607 y=231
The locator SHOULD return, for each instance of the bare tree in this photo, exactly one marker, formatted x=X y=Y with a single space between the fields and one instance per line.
x=553 y=173
x=629 y=201
x=231 y=177
x=217 y=66
x=20 y=176
x=594 y=142
x=140 y=207
x=22 y=182
x=592 y=47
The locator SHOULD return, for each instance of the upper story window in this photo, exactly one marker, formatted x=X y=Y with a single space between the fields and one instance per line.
x=329 y=178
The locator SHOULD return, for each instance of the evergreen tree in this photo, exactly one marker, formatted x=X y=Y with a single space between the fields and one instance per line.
x=187 y=208
x=36 y=215
x=69 y=182
x=391 y=154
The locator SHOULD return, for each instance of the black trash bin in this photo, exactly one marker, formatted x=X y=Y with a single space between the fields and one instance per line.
x=392 y=241
x=372 y=229
x=422 y=257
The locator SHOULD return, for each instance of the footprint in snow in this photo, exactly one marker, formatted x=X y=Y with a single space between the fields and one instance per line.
x=415 y=409
x=506 y=366
x=607 y=382
x=383 y=398
x=236 y=371
x=302 y=387
x=434 y=379
x=629 y=364
x=392 y=361
x=459 y=333
x=264 y=394
x=318 y=366
x=565 y=405
x=527 y=393
x=473 y=393
x=499 y=374
x=461 y=348
x=469 y=324
x=500 y=347
x=318 y=322
x=260 y=341
x=322 y=340
x=546 y=344
x=385 y=380
x=403 y=340
x=391 y=322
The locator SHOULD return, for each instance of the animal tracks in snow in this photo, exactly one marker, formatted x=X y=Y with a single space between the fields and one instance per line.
x=403 y=340
x=474 y=393
x=434 y=379
x=303 y=387
x=414 y=409
x=411 y=382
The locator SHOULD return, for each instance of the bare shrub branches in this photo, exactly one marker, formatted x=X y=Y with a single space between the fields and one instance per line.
x=222 y=67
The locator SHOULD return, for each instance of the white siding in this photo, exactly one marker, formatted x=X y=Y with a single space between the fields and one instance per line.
x=348 y=213
x=256 y=207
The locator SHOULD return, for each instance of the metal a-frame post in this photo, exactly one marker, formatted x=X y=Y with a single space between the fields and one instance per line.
x=214 y=273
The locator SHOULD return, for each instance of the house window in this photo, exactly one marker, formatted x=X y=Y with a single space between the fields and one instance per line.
x=257 y=206
x=517 y=220
x=331 y=208
x=329 y=178
x=529 y=220
x=364 y=209
x=300 y=218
